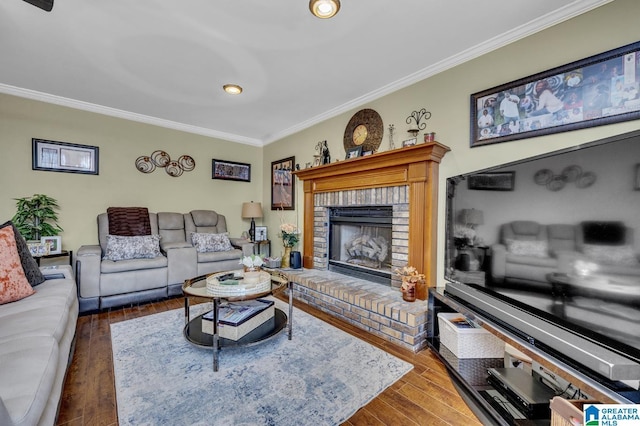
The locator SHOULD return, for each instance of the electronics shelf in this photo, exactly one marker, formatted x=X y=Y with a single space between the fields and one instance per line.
x=470 y=375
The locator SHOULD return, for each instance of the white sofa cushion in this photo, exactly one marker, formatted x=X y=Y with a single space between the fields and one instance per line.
x=46 y=313
x=29 y=369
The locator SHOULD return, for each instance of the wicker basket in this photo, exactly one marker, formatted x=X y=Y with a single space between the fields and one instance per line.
x=468 y=342
x=272 y=263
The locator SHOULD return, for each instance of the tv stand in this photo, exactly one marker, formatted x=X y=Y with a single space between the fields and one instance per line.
x=477 y=392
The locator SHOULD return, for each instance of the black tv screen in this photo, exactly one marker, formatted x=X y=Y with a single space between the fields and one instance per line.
x=556 y=237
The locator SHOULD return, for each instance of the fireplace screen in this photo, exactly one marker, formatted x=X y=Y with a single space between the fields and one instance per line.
x=360 y=242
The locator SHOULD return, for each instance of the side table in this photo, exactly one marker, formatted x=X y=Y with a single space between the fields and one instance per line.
x=262 y=248
x=63 y=253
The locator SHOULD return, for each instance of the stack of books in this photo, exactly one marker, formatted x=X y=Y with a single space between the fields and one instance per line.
x=237 y=319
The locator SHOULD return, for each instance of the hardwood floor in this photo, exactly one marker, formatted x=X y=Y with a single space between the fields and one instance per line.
x=424 y=396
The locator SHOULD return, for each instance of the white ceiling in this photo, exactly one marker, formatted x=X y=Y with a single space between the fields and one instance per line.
x=164 y=62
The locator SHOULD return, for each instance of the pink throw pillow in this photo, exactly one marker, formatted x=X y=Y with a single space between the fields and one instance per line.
x=13 y=282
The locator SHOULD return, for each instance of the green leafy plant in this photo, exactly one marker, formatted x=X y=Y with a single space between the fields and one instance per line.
x=37 y=217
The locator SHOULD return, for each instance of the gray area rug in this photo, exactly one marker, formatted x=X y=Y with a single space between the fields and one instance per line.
x=321 y=377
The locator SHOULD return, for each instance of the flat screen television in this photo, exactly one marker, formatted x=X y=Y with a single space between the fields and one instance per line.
x=549 y=248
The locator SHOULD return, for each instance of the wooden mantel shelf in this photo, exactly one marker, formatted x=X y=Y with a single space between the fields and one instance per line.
x=415 y=166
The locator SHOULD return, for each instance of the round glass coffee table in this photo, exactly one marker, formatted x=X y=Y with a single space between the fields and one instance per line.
x=197 y=287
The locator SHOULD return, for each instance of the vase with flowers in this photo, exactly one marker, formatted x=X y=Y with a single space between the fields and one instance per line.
x=412 y=283
x=290 y=237
x=252 y=265
x=464 y=238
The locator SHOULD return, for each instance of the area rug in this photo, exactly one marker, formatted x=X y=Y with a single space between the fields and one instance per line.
x=321 y=377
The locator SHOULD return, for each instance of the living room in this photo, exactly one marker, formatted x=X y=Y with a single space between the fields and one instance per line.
x=445 y=94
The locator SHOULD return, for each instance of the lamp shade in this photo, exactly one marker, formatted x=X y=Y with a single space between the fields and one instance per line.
x=251 y=210
x=472 y=217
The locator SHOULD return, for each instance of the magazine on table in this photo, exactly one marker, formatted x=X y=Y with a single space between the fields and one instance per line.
x=235 y=313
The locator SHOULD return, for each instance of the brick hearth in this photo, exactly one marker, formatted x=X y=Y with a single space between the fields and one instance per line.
x=375 y=308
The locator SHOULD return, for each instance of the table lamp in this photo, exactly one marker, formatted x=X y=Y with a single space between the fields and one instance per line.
x=472 y=218
x=252 y=210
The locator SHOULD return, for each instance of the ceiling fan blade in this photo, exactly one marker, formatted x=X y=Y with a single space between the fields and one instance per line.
x=42 y=4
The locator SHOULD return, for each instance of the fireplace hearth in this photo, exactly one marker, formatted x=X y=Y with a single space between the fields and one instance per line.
x=360 y=242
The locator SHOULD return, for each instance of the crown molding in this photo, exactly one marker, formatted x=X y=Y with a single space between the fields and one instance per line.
x=131 y=116
x=572 y=10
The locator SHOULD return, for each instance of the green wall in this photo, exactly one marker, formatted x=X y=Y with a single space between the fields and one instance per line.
x=83 y=197
x=445 y=95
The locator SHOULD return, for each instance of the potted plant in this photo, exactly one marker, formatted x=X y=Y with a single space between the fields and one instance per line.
x=36 y=217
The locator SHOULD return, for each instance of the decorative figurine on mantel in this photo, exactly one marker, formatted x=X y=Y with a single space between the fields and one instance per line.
x=326 y=156
x=323 y=153
x=391 y=144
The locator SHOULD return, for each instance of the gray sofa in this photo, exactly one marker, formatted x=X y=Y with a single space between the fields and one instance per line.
x=528 y=251
x=105 y=283
x=36 y=341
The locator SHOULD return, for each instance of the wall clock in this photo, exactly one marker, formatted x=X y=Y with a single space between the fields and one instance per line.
x=365 y=130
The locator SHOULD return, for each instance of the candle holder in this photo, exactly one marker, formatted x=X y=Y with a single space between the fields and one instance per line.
x=415 y=121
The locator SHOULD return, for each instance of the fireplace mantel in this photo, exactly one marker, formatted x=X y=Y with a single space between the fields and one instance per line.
x=415 y=166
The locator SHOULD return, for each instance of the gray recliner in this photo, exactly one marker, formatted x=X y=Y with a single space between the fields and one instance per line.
x=104 y=283
x=208 y=221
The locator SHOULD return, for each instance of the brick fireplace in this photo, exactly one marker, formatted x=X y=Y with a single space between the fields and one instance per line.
x=406 y=176
x=407 y=180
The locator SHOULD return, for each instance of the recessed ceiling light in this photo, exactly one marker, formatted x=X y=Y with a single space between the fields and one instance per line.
x=232 y=89
x=324 y=9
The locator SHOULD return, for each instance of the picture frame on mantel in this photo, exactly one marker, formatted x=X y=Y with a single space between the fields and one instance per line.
x=283 y=184
x=599 y=90
x=354 y=152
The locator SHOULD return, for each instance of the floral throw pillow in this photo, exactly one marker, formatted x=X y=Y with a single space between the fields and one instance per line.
x=611 y=255
x=137 y=247
x=205 y=243
x=29 y=265
x=13 y=283
x=533 y=248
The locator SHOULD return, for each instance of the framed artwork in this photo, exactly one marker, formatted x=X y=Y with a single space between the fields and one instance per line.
x=283 y=184
x=38 y=249
x=409 y=142
x=595 y=91
x=353 y=152
x=261 y=233
x=366 y=153
x=65 y=157
x=495 y=181
x=54 y=242
x=230 y=170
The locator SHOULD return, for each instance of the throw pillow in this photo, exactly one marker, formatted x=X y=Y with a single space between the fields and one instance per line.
x=129 y=221
x=29 y=264
x=13 y=283
x=533 y=248
x=205 y=243
x=137 y=247
x=611 y=255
